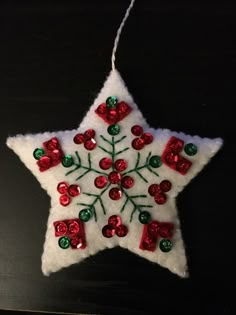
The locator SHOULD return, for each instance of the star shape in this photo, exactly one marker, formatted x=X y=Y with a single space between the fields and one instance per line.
x=114 y=182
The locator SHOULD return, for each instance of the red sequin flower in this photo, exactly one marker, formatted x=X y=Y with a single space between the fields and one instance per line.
x=67 y=191
x=158 y=191
x=114 y=226
x=143 y=139
x=87 y=138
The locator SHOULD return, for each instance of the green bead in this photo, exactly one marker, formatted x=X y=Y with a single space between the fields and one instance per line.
x=155 y=161
x=64 y=242
x=111 y=101
x=165 y=245
x=144 y=217
x=190 y=149
x=113 y=130
x=38 y=153
x=67 y=161
x=85 y=215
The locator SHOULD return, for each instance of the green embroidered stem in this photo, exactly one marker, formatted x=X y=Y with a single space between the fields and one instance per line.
x=137 y=207
x=112 y=143
x=117 y=141
x=137 y=168
x=97 y=198
x=121 y=151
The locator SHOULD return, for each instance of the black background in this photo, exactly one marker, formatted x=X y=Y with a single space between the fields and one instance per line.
x=178 y=60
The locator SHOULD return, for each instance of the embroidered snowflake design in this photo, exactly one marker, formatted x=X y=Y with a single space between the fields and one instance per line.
x=113 y=181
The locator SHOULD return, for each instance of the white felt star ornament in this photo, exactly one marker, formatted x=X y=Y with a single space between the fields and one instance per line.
x=113 y=182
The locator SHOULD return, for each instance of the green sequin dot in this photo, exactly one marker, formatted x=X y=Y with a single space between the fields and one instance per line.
x=64 y=242
x=67 y=161
x=85 y=215
x=144 y=217
x=155 y=161
x=113 y=130
x=165 y=245
x=111 y=101
x=190 y=149
x=38 y=153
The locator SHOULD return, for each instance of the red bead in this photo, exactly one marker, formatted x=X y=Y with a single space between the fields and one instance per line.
x=138 y=143
x=76 y=242
x=114 y=177
x=74 y=227
x=108 y=231
x=121 y=230
x=137 y=130
x=153 y=228
x=64 y=200
x=44 y=163
x=147 y=137
x=127 y=182
x=90 y=144
x=114 y=221
x=105 y=163
x=100 y=182
x=165 y=185
x=112 y=116
x=149 y=243
x=88 y=134
x=123 y=108
x=165 y=230
x=160 y=198
x=102 y=109
x=62 y=187
x=74 y=190
x=154 y=189
x=115 y=193
x=120 y=165
x=171 y=158
x=61 y=229
x=79 y=138
x=183 y=165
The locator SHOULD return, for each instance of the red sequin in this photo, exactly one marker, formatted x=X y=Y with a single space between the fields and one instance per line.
x=115 y=193
x=51 y=145
x=172 y=158
x=137 y=130
x=165 y=185
x=114 y=221
x=121 y=230
x=105 y=163
x=44 y=163
x=79 y=138
x=56 y=155
x=90 y=144
x=62 y=187
x=123 y=109
x=100 y=182
x=113 y=115
x=102 y=109
x=88 y=134
x=64 y=200
x=160 y=198
x=74 y=190
x=114 y=177
x=149 y=243
x=166 y=230
x=154 y=189
x=74 y=229
x=138 y=143
x=127 y=182
x=120 y=165
x=153 y=228
x=108 y=231
x=147 y=137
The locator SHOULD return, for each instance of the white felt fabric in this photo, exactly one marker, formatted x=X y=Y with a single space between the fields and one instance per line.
x=54 y=258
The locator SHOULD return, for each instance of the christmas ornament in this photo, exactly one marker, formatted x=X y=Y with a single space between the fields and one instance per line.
x=114 y=181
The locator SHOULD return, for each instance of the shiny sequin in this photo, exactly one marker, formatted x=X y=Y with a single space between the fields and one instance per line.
x=190 y=149
x=102 y=109
x=79 y=138
x=38 y=153
x=44 y=163
x=100 y=182
x=137 y=130
x=166 y=229
x=153 y=228
x=113 y=130
x=148 y=243
x=123 y=109
x=62 y=187
x=114 y=221
x=105 y=163
x=112 y=116
x=147 y=137
x=154 y=189
x=138 y=143
x=67 y=161
x=160 y=198
x=165 y=185
x=61 y=229
x=64 y=242
x=89 y=134
x=121 y=230
x=64 y=200
x=114 y=177
x=165 y=245
x=144 y=217
x=108 y=231
x=155 y=161
x=111 y=101
x=127 y=182
x=115 y=193
x=90 y=144
x=183 y=165
x=74 y=190
x=76 y=242
x=85 y=215
x=74 y=227
x=120 y=165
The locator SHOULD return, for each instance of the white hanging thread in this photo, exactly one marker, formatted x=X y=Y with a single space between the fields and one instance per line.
x=116 y=42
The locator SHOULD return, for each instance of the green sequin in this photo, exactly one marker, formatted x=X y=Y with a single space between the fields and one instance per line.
x=144 y=217
x=165 y=245
x=155 y=161
x=67 y=161
x=113 y=130
x=38 y=153
x=111 y=101
x=64 y=242
x=190 y=149
x=85 y=215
